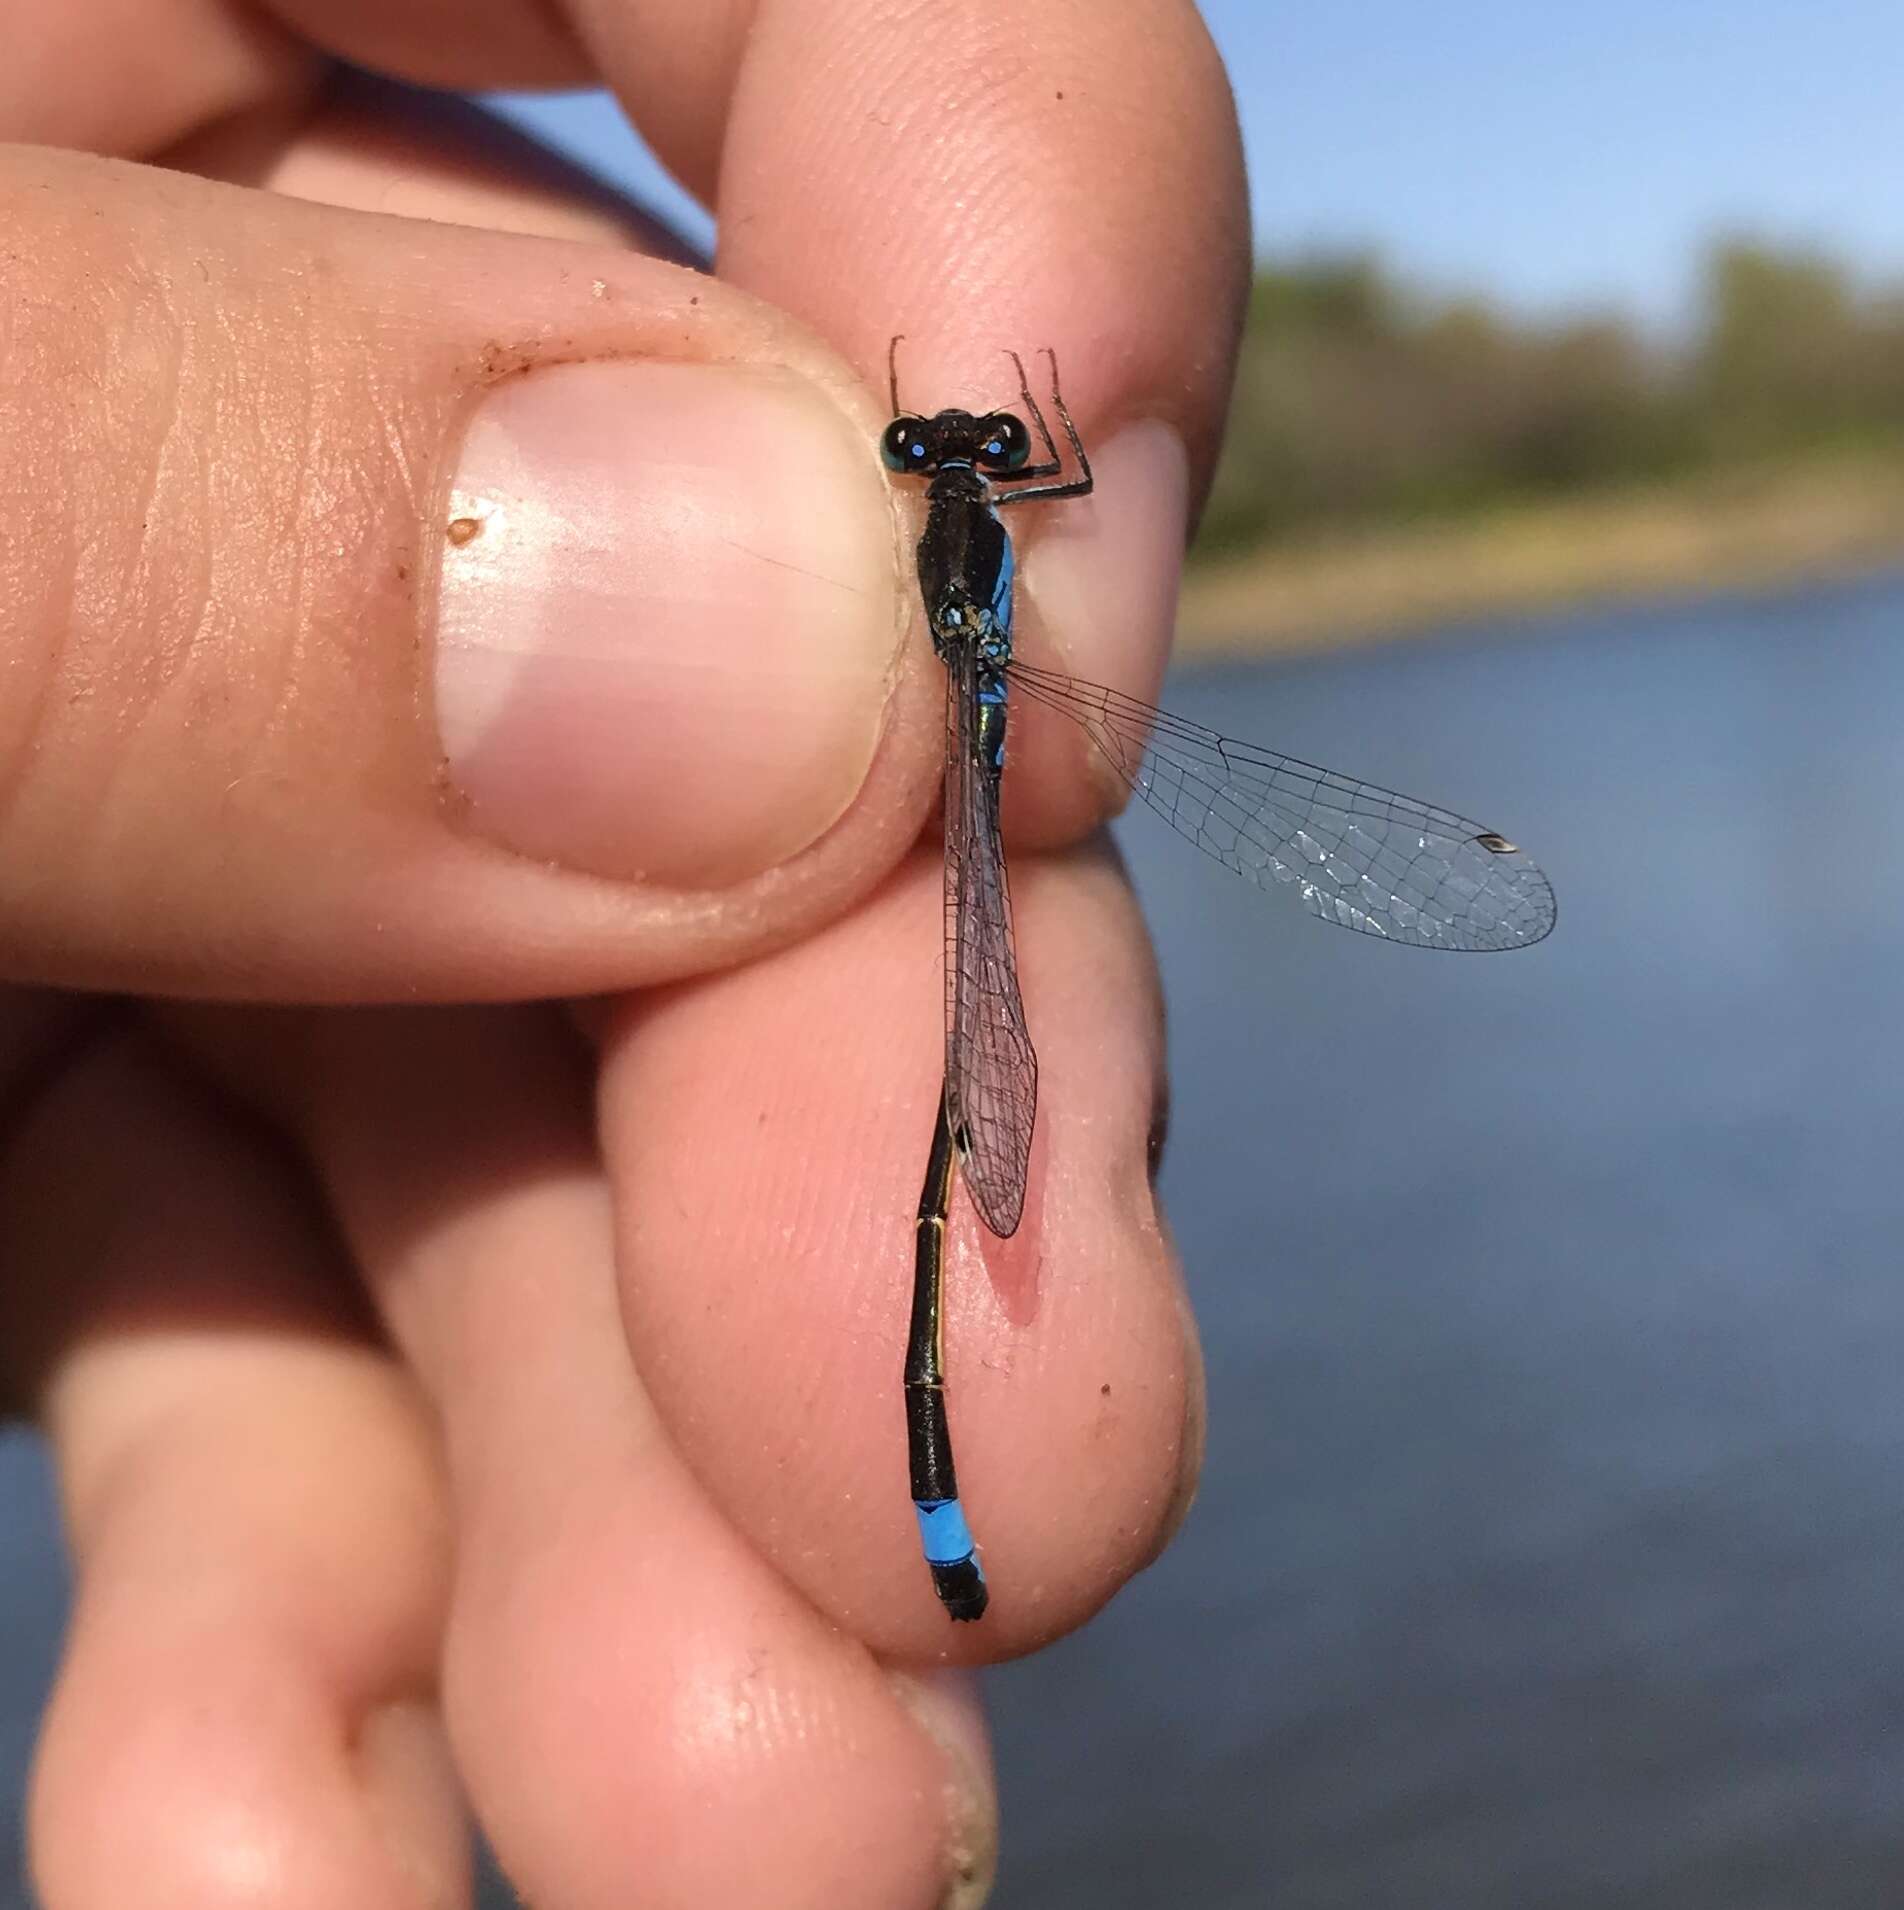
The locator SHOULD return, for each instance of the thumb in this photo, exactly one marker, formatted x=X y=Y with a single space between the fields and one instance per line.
x=397 y=609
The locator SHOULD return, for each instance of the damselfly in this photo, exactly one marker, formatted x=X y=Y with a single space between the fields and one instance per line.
x=1354 y=854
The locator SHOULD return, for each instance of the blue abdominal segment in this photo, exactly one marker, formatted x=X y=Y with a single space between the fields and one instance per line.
x=957 y=1576
x=943 y=1532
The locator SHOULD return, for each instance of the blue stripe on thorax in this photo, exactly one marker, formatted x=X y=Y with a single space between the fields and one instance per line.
x=1002 y=595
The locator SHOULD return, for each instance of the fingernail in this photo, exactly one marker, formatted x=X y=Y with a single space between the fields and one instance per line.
x=949 y=1709
x=666 y=618
x=1104 y=572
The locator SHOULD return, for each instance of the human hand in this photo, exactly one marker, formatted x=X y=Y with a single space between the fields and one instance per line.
x=398 y=612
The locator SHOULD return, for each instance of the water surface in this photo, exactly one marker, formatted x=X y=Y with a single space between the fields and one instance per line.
x=1551 y=1545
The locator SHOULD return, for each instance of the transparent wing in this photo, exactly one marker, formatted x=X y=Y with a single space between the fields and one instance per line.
x=1357 y=855
x=991 y=1073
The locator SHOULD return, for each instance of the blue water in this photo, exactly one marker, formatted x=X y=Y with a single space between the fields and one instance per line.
x=1551 y=1545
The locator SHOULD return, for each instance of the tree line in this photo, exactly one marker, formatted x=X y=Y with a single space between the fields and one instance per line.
x=1359 y=402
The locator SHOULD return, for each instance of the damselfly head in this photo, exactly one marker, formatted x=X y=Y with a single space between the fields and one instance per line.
x=997 y=442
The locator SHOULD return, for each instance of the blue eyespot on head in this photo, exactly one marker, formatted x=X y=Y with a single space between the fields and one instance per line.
x=902 y=445
x=1004 y=443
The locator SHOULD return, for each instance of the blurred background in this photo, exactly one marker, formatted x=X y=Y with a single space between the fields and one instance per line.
x=1551 y=1543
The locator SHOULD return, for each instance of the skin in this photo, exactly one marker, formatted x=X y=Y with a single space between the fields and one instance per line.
x=494 y=1407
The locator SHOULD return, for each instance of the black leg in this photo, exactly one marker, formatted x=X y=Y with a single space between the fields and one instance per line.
x=1078 y=486
x=892 y=370
x=1051 y=464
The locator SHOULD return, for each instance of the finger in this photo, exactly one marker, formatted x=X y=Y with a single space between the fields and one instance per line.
x=1066 y=175
x=397 y=609
x=767 y=1132
x=369 y=143
x=130 y=78
x=459 y=43
x=245 y=1706
x=644 y=1711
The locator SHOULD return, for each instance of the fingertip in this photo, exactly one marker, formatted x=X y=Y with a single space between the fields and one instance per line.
x=949 y=1707
x=640 y=1702
x=767 y=1231
x=1102 y=574
x=254 y=1505
x=697 y=1729
x=1100 y=585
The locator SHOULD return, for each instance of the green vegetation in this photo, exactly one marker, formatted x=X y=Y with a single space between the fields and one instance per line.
x=1361 y=408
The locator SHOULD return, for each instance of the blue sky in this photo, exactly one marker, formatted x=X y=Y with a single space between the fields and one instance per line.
x=1554 y=157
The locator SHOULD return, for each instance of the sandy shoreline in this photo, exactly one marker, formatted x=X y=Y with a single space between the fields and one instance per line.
x=1780 y=525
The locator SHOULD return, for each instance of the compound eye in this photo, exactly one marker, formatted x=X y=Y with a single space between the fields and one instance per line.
x=902 y=446
x=1003 y=444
